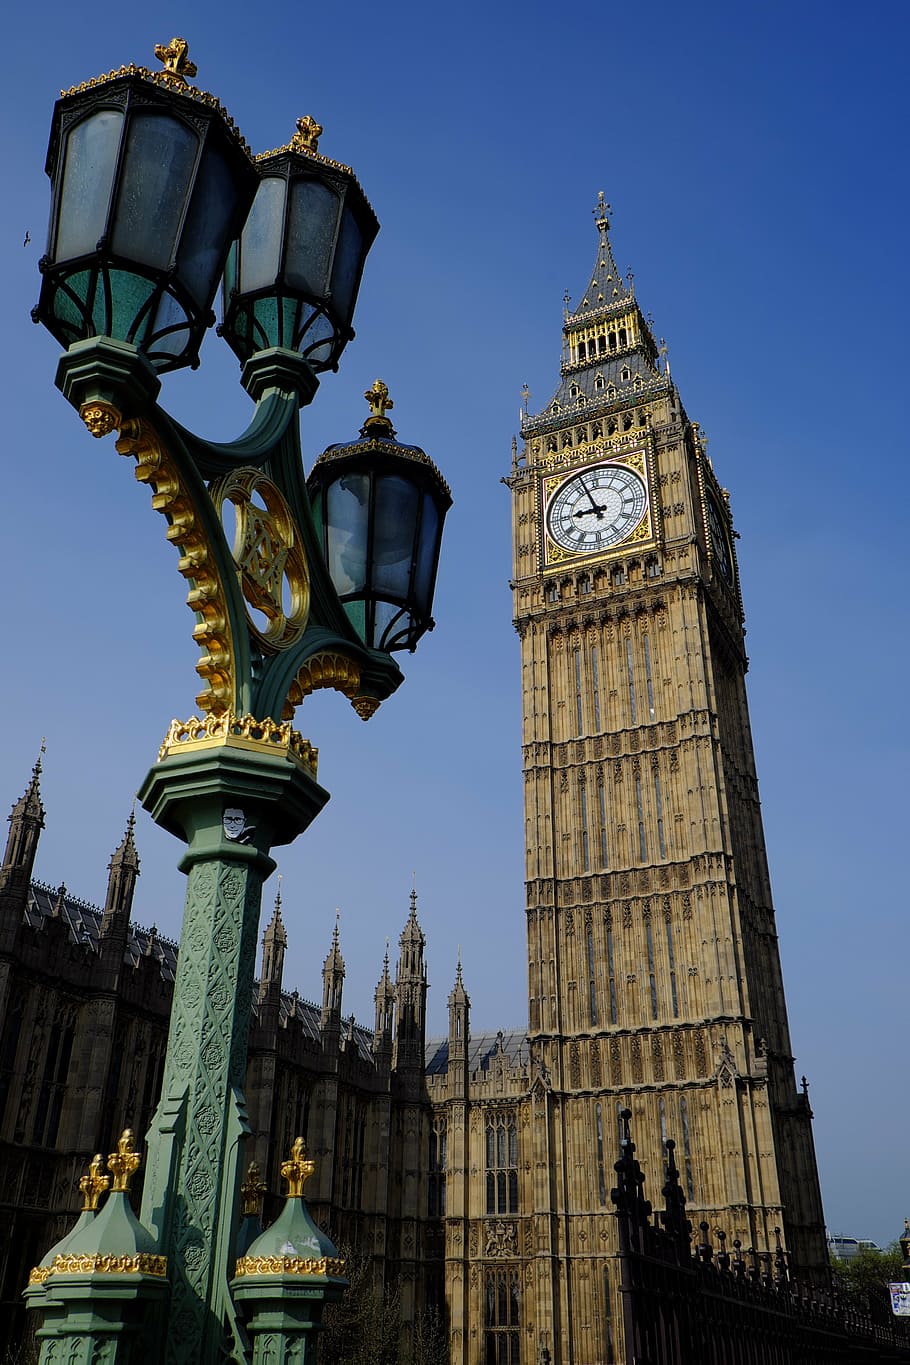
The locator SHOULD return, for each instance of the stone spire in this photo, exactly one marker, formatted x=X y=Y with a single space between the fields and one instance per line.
x=274 y=947
x=384 y=997
x=26 y=821
x=606 y=286
x=459 y=1031
x=123 y=869
x=411 y=995
x=332 y=982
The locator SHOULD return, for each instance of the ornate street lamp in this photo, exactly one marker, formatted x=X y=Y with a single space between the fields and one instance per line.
x=292 y=277
x=152 y=186
x=380 y=507
x=150 y=183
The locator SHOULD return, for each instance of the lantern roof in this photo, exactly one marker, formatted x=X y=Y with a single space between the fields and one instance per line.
x=174 y=79
x=378 y=436
x=304 y=145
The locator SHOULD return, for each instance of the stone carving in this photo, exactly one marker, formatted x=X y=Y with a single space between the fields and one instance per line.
x=501 y=1240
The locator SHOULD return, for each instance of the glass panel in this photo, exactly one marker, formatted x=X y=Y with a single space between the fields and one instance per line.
x=168 y=314
x=316 y=342
x=265 y=329
x=156 y=179
x=390 y=619
x=312 y=228
x=346 y=270
x=260 y=245
x=427 y=552
x=348 y=502
x=204 y=237
x=64 y=307
x=393 y=535
x=91 y=156
x=128 y=293
x=356 y=614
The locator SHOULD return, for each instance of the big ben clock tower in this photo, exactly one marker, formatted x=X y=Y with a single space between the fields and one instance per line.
x=653 y=970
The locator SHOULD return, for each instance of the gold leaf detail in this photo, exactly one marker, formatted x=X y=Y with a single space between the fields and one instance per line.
x=101 y=418
x=93 y=1184
x=288 y=1265
x=241 y=731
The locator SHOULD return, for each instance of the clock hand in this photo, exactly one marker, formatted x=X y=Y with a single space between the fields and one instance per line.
x=598 y=511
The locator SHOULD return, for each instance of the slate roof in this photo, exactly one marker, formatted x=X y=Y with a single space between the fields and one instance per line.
x=84 y=923
x=481 y=1047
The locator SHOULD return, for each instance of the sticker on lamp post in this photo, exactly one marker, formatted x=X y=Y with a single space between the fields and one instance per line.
x=900 y=1299
x=235 y=826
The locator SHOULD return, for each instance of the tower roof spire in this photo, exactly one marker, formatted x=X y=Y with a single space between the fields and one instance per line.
x=606 y=285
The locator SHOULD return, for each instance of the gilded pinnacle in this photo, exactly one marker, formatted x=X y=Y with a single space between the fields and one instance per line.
x=251 y=1192
x=298 y=1170
x=124 y=1163
x=93 y=1184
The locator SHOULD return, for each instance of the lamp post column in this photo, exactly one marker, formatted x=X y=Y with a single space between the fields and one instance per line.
x=231 y=797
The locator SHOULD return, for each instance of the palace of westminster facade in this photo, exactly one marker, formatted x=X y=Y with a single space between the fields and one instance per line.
x=475 y=1170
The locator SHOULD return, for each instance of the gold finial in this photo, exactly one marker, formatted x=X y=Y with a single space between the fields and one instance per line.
x=93 y=1184
x=298 y=1170
x=251 y=1192
x=378 y=399
x=176 y=59
x=306 y=139
x=124 y=1163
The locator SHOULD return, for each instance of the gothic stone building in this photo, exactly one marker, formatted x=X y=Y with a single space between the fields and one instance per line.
x=475 y=1170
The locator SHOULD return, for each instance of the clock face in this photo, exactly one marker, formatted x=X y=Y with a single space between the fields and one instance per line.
x=720 y=544
x=596 y=508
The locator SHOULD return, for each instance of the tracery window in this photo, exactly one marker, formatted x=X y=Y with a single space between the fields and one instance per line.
x=436 y=1197
x=502 y=1163
x=501 y=1318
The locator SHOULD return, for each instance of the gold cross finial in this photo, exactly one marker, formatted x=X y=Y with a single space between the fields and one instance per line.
x=298 y=1170
x=251 y=1192
x=306 y=139
x=602 y=211
x=124 y=1163
x=176 y=59
x=93 y=1184
x=378 y=399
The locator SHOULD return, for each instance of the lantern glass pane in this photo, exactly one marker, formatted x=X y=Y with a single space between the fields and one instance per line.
x=357 y=615
x=397 y=501
x=158 y=167
x=129 y=294
x=169 y=314
x=203 y=239
x=260 y=245
x=426 y=556
x=347 y=512
x=91 y=157
x=390 y=619
x=346 y=270
x=317 y=350
x=312 y=228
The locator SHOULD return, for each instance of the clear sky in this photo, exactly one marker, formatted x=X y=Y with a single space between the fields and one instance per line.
x=754 y=156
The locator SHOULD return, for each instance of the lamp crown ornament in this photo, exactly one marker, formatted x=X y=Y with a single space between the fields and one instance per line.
x=176 y=59
x=378 y=398
x=124 y=1163
x=306 y=139
x=298 y=1170
x=94 y=1184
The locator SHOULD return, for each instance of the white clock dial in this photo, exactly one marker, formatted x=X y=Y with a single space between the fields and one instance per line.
x=596 y=508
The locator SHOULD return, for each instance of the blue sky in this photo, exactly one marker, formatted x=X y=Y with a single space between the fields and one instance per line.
x=755 y=162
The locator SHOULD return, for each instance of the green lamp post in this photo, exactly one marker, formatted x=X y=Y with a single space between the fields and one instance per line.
x=155 y=197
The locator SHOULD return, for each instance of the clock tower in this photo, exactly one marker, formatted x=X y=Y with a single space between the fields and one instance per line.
x=654 y=977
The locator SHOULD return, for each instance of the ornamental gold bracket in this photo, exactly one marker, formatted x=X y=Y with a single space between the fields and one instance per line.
x=268 y=621
x=252 y=1191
